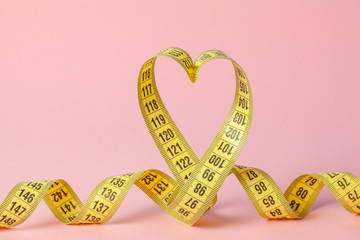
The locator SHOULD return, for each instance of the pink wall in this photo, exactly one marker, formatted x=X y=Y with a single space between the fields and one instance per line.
x=68 y=104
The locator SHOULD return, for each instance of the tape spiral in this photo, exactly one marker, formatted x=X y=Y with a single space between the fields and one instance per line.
x=197 y=182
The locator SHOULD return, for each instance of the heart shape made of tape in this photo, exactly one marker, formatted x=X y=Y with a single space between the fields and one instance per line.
x=198 y=179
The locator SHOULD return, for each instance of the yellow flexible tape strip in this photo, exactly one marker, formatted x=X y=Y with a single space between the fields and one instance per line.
x=197 y=180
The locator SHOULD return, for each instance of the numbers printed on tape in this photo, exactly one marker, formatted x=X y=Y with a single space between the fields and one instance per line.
x=197 y=182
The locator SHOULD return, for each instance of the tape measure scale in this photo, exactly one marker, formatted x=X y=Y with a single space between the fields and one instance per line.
x=197 y=182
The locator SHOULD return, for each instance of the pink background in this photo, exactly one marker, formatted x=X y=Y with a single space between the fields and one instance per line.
x=69 y=108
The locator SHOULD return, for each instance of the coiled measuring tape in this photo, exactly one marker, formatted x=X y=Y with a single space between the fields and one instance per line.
x=197 y=180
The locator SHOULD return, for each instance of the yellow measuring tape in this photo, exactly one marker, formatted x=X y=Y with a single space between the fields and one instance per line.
x=197 y=180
